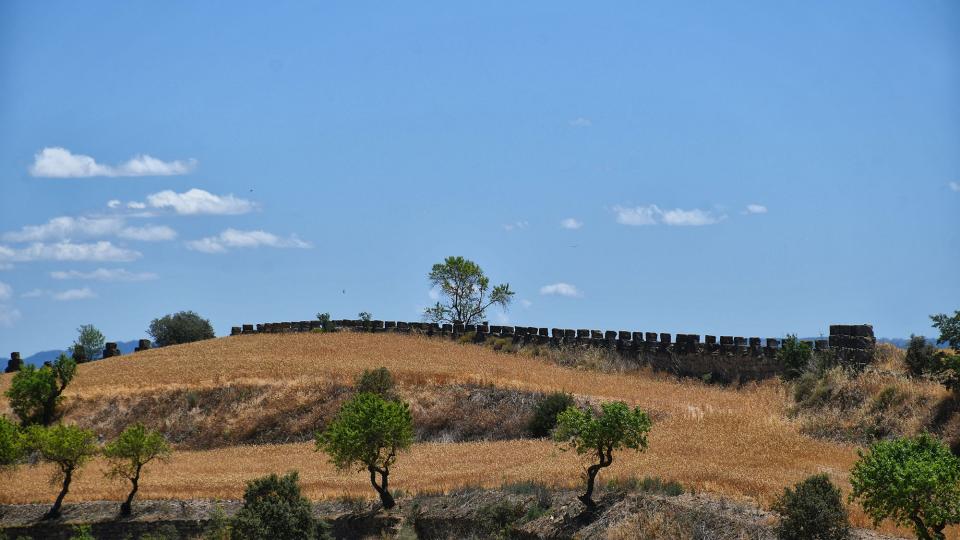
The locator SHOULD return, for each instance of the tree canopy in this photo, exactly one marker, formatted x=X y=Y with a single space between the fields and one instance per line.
x=12 y=447
x=35 y=393
x=180 y=327
x=67 y=447
x=89 y=343
x=135 y=447
x=949 y=328
x=466 y=290
x=367 y=433
x=913 y=481
x=616 y=427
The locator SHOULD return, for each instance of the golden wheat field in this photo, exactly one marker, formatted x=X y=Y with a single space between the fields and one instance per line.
x=731 y=442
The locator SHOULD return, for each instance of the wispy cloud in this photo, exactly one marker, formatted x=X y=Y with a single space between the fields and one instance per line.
x=653 y=215
x=581 y=122
x=561 y=289
x=61 y=296
x=66 y=227
x=756 y=209
x=232 y=238
x=525 y=303
x=515 y=225
x=57 y=162
x=102 y=251
x=6 y=291
x=104 y=274
x=9 y=315
x=196 y=201
x=955 y=186
x=571 y=223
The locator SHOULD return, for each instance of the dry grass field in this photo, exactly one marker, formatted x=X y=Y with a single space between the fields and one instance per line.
x=733 y=442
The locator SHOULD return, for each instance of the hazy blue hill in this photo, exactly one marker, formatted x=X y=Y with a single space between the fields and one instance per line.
x=37 y=359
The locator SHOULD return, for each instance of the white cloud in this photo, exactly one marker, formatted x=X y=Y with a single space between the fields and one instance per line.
x=581 y=122
x=562 y=289
x=136 y=205
x=571 y=223
x=104 y=274
x=515 y=225
x=955 y=186
x=35 y=293
x=113 y=203
x=197 y=201
x=232 y=238
x=6 y=291
x=65 y=228
x=150 y=233
x=73 y=294
x=57 y=162
x=68 y=251
x=8 y=315
x=756 y=209
x=653 y=215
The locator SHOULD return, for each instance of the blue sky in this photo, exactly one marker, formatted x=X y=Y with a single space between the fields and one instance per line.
x=744 y=168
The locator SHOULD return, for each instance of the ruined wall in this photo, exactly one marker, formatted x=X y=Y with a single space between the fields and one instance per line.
x=727 y=358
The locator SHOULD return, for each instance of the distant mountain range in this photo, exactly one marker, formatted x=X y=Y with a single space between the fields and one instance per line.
x=37 y=359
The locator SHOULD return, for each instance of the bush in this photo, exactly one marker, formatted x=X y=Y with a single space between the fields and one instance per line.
x=12 y=449
x=180 y=327
x=812 y=510
x=35 y=393
x=545 y=413
x=274 y=508
x=914 y=481
x=922 y=358
x=795 y=355
x=326 y=322
x=376 y=381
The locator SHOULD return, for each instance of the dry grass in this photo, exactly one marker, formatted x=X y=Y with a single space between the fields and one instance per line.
x=733 y=442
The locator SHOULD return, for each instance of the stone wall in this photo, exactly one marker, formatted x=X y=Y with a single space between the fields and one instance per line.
x=723 y=358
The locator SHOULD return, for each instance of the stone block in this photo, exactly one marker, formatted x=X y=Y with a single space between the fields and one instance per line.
x=583 y=333
x=507 y=330
x=569 y=333
x=710 y=340
x=556 y=332
x=822 y=345
x=773 y=343
x=623 y=335
x=543 y=332
x=664 y=338
x=609 y=335
x=484 y=327
x=726 y=340
x=739 y=341
x=754 y=343
x=235 y=330
x=636 y=336
x=14 y=364
x=448 y=328
x=248 y=329
x=650 y=337
x=470 y=328
x=596 y=334
x=862 y=330
x=389 y=324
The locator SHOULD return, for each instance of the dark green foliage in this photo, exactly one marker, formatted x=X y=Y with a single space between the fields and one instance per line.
x=546 y=410
x=326 y=322
x=89 y=343
x=367 y=433
x=66 y=447
x=180 y=327
x=949 y=328
x=497 y=519
x=812 y=510
x=35 y=393
x=795 y=355
x=616 y=427
x=376 y=381
x=467 y=291
x=12 y=444
x=82 y=532
x=274 y=509
x=218 y=527
x=922 y=358
x=913 y=481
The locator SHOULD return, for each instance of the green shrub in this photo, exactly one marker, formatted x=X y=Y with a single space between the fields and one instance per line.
x=12 y=444
x=82 y=532
x=922 y=358
x=913 y=481
x=218 y=528
x=497 y=519
x=274 y=508
x=795 y=355
x=545 y=413
x=812 y=510
x=180 y=327
x=376 y=381
x=326 y=322
x=35 y=393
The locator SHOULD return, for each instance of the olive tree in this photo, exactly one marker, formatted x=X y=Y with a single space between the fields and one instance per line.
x=35 y=393
x=12 y=448
x=616 y=427
x=67 y=447
x=914 y=481
x=180 y=327
x=467 y=291
x=949 y=328
x=89 y=343
x=135 y=447
x=367 y=433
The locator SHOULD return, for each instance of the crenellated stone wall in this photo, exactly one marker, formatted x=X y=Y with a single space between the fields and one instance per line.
x=723 y=358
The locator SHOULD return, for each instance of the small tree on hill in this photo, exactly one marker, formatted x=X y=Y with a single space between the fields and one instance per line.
x=949 y=328
x=368 y=433
x=274 y=508
x=135 y=447
x=12 y=447
x=914 y=481
x=545 y=413
x=180 y=327
x=467 y=291
x=922 y=358
x=35 y=393
x=599 y=435
x=89 y=343
x=812 y=510
x=795 y=355
x=67 y=447
x=376 y=381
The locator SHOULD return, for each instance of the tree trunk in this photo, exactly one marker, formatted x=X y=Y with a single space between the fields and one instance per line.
x=382 y=488
x=127 y=507
x=606 y=458
x=55 y=511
